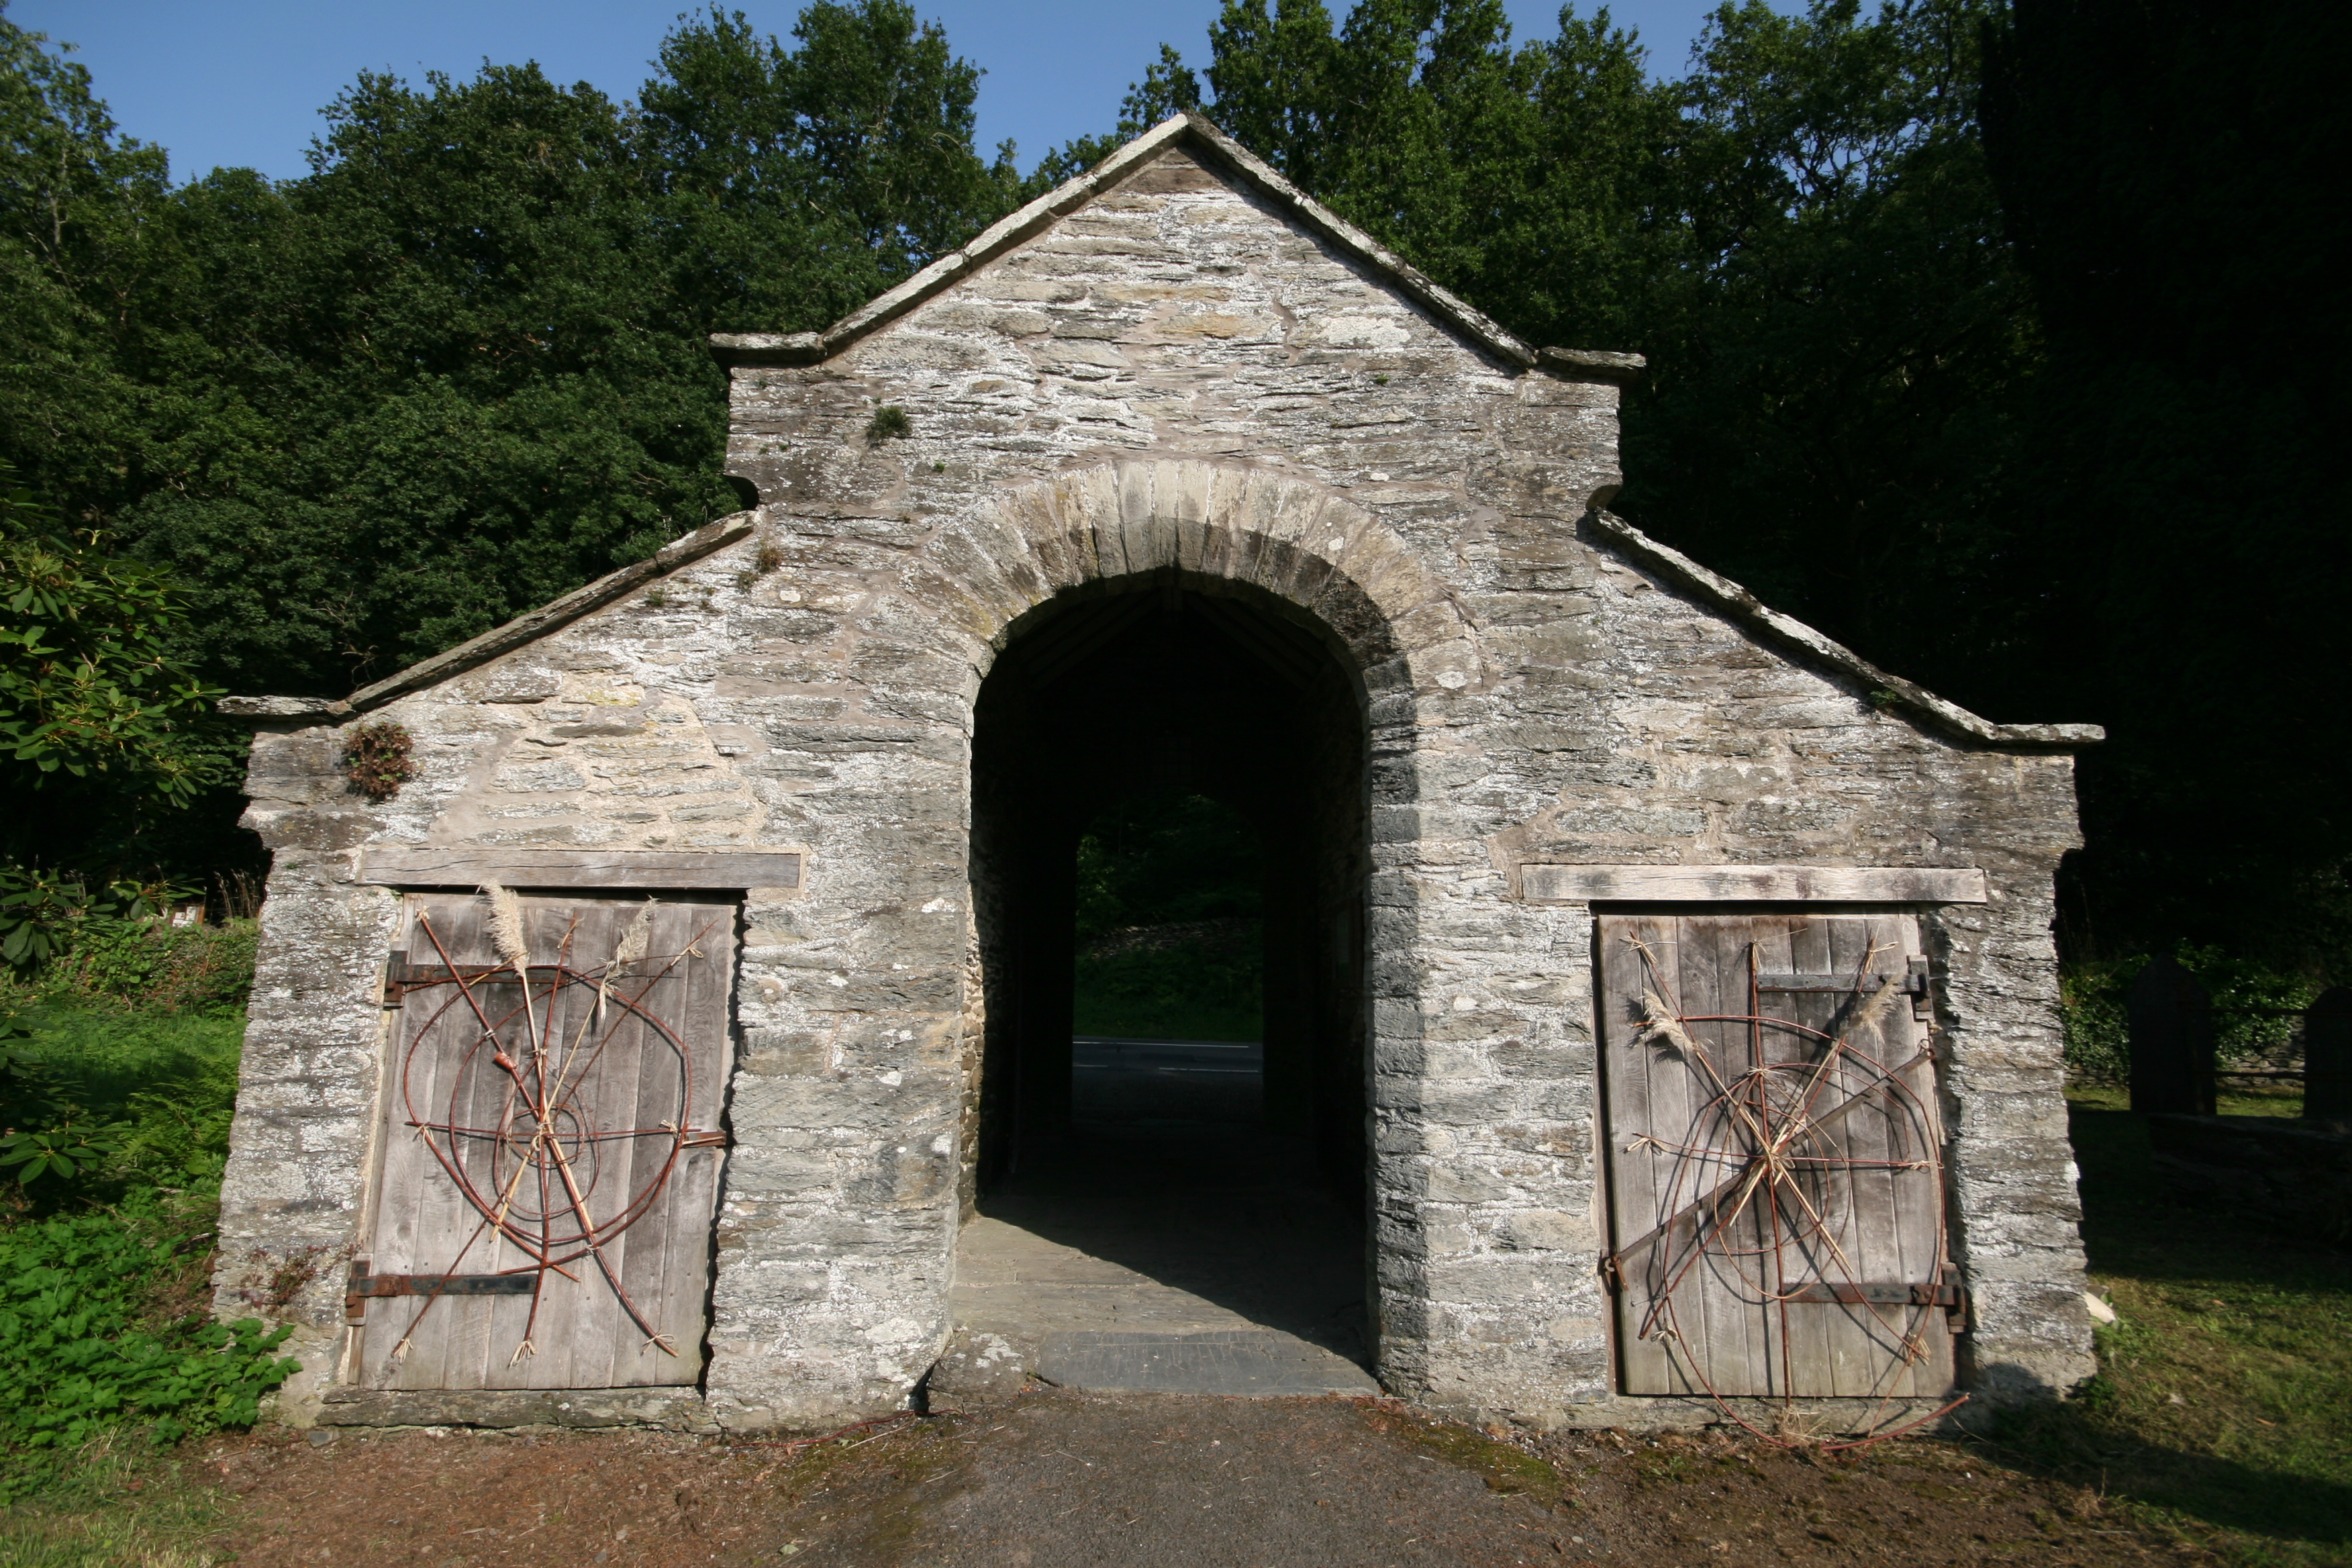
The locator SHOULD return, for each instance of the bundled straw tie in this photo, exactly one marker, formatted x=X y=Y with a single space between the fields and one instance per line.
x=631 y=947
x=507 y=937
x=1660 y=1023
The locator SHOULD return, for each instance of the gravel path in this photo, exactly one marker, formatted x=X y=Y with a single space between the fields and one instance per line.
x=1061 y=1479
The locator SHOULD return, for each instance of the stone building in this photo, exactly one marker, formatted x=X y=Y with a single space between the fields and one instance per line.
x=1668 y=993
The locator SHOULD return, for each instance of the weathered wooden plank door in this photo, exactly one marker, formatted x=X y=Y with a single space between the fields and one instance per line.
x=1774 y=1156
x=550 y=1159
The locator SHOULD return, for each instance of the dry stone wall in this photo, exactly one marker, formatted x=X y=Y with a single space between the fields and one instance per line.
x=1179 y=377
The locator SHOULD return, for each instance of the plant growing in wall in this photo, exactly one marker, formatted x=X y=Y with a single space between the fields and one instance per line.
x=376 y=759
x=889 y=423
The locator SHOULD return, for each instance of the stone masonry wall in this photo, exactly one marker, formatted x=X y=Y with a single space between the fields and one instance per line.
x=1176 y=377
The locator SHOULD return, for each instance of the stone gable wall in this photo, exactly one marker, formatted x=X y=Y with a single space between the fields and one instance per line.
x=1174 y=378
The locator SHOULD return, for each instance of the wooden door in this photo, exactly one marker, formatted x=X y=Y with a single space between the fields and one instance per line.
x=1774 y=1154
x=549 y=1151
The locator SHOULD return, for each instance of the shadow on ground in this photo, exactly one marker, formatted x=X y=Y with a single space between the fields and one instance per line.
x=2225 y=1393
x=1221 y=1211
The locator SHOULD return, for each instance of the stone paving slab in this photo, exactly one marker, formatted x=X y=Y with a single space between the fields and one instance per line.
x=1247 y=1362
x=1144 y=1258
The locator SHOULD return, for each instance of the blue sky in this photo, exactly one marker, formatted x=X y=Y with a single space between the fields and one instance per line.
x=242 y=81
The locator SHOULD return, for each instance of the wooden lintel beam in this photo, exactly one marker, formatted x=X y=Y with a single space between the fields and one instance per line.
x=466 y=867
x=1752 y=884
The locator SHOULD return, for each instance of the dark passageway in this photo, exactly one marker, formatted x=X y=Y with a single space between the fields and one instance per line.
x=1169 y=797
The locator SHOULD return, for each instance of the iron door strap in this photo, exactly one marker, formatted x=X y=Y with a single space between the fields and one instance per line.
x=361 y=1285
x=1950 y=1295
x=1913 y=983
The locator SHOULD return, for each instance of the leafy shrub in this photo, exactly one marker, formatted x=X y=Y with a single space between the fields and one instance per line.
x=153 y=964
x=2098 y=1035
x=44 y=1131
x=90 y=694
x=93 y=1105
x=1208 y=988
x=83 y=1348
x=2239 y=987
x=2091 y=1011
x=44 y=913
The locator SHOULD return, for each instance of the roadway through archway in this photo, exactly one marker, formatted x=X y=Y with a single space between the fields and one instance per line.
x=1162 y=1206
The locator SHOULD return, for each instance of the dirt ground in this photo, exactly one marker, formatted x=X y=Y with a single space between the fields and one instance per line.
x=1057 y=1478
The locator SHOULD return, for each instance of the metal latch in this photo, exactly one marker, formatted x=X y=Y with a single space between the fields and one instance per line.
x=1922 y=995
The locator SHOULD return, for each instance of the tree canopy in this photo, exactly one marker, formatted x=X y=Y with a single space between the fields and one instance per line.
x=1991 y=336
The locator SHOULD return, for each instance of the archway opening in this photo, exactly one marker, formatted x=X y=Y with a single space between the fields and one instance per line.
x=1168 y=1121
x=1167 y=1000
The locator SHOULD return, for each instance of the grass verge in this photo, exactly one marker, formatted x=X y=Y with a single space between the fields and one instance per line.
x=118 y=1503
x=2222 y=1410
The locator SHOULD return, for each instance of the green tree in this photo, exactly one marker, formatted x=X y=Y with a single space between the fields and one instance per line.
x=101 y=729
x=459 y=368
x=1842 y=351
x=799 y=183
x=2169 y=172
x=80 y=214
x=456 y=387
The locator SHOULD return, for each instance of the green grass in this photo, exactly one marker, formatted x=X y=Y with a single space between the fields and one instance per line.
x=2231 y=1100
x=107 y=1054
x=2222 y=1411
x=117 y=1504
x=1197 y=991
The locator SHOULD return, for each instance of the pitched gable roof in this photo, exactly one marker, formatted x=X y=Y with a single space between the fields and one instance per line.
x=1195 y=132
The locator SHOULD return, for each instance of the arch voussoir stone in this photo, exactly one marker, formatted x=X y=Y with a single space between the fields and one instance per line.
x=1131 y=517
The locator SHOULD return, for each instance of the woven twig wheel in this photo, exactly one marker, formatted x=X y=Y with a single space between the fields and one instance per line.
x=1767 y=1165
x=538 y=1171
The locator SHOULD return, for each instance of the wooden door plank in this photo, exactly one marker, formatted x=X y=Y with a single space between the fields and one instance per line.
x=583 y=1335
x=1730 y=1346
x=611 y=1078
x=694 y=1209
x=1845 y=1254
x=402 y=1189
x=1647 y=967
x=1808 y=954
x=433 y=1331
x=1910 y=1244
x=484 y=1097
x=652 y=1094
x=501 y=1103
x=1632 y=1172
x=563 y=1322
x=1921 y=1199
x=1676 y=1105
x=585 y=1317
x=1807 y=1347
